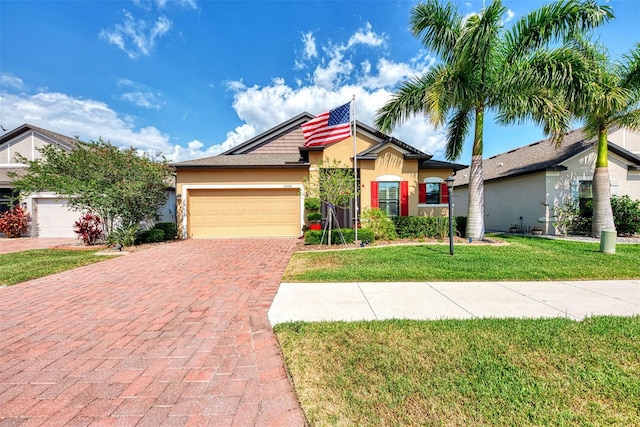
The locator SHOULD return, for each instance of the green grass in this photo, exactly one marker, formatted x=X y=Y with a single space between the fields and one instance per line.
x=524 y=258
x=507 y=372
x=18 y=267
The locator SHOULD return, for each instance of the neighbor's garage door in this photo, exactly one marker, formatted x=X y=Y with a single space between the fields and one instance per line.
x=244 y=213
x=53 y=219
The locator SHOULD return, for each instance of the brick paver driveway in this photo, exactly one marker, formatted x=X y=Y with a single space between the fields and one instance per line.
x=174 y=335
x=27 y=243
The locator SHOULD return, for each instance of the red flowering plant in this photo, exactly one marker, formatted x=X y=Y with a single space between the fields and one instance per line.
x=14 y=222
x=89 y=228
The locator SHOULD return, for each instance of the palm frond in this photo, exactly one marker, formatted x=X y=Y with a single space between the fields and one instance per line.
x=437 y=25
x=553 y=22
x=457 y=130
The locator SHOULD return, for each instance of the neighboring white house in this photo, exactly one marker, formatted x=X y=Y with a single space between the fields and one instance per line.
x=50 y=216
x=522 y=186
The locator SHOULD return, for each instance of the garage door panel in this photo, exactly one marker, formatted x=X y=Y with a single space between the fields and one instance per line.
x=244 y=213
x=53 y=218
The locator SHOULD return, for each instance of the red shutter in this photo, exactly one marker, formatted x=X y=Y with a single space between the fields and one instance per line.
x=374 y=194
x=444 y=193
x=422 y=193
x=404 y=198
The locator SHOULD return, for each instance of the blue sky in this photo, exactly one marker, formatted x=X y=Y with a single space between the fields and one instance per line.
x=192 y=78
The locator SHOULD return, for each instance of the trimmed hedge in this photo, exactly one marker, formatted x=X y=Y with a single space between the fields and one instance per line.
x=414 y=227
x=153 y=235
x=170 y=229
x=312 y=237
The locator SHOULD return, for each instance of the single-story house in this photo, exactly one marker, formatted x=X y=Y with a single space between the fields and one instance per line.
x=522 y=186
x=49 y=213
x=256 y=188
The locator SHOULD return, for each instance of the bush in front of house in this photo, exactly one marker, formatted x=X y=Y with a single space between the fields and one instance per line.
x=377 y=220
x=125 y=235
x=153 y=235
x=626 y=215
x=89 y=229
x=170 y=229
x=313 y=237
x=14 y=222
x=416 y=227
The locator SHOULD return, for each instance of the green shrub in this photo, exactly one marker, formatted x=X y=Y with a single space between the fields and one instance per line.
x=314 y=216
x=378 y=221
x=415 y=227
x=312 y=237
x=124 y=235
x=169 y=228
x=153 y=235
x=366 y=235
x=626 y=214
x=312 y=203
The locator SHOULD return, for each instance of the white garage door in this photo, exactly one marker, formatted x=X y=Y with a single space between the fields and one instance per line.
x=53 y=219
x=244 y=213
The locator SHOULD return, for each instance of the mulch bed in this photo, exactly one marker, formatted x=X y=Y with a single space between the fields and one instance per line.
x=400 y=242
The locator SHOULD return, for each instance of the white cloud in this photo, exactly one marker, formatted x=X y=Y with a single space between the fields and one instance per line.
x=140 y=95
x=11 y=81
x=334 y=80
x=137 y=37
x=366 y=37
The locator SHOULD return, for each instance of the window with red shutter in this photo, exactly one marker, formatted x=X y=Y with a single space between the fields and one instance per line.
x=422 y=193
x=444 y=193
x=374 y=194
x=404 y=198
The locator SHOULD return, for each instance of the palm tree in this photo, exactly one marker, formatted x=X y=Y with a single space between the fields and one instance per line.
x=609 y=98
x=481 y=67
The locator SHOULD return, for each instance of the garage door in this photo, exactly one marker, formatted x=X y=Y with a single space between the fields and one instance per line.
x=244 y=213
x=53 y=219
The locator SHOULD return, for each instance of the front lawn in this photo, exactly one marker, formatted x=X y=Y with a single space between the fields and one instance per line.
x=18 y=267
x=507 y=372
x=524 y=258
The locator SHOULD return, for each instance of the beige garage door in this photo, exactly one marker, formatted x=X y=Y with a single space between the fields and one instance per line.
x=244 y=213
x=53 y=219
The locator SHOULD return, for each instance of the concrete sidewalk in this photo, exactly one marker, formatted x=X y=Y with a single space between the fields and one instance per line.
x=460 y=300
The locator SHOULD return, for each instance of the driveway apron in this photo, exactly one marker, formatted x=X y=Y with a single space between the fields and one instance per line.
x=173 y=335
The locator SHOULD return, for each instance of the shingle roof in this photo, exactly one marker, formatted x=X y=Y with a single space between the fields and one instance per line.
x=539 y=156
x=264 y=160
x=64 y=140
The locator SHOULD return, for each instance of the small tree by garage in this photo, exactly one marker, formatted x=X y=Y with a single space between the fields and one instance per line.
x=116 y=184
x=334 y=184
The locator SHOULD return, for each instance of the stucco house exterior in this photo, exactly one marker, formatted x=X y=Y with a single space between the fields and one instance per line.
x=522 y=186
x=256 y=188
x=50 y=216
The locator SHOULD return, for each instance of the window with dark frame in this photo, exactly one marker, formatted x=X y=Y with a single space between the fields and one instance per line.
x=8 y=199
x=389 y=197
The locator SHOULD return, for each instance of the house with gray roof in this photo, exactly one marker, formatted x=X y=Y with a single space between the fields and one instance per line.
x=50 y=216
x=523 y=186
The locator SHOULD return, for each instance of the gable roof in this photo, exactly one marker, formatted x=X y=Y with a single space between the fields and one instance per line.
x=256 y=160
x=63 y=140
x=541 y=156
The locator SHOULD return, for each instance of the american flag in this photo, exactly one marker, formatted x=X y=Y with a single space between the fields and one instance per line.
x=328 y=127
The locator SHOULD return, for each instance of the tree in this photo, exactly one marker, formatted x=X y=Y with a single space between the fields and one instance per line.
x=482 y=67
x=333 y=185
x=117 y=184
x=608 y=97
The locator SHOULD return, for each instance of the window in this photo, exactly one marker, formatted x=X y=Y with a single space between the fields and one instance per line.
x=389 y=197
x=585 y=193
x=433 y=191
x=8 y=199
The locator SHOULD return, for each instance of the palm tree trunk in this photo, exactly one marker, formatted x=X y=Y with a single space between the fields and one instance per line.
x=602 y=212
x=475 y=216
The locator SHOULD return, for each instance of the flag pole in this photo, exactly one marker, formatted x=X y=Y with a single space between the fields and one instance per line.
x=355 y=171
